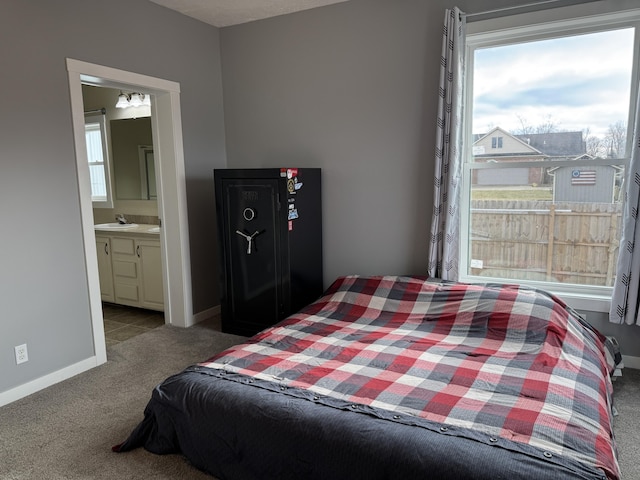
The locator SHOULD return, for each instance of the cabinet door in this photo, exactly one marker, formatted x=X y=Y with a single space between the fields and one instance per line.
x=124 y=263
x=252 y=253
x=103 y=246
x=151 y=295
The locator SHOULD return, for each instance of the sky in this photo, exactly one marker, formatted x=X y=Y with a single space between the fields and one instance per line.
x=576 y=82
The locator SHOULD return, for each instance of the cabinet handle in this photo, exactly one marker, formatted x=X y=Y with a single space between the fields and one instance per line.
x=138 y=251
x=106 y=248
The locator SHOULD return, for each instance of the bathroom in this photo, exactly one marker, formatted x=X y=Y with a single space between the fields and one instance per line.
x=128 y=151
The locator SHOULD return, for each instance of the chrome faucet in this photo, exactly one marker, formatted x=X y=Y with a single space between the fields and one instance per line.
x=120 y=218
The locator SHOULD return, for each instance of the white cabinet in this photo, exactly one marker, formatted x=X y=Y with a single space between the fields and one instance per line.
x=103 y=246
x=136 y=271
x=151 y=294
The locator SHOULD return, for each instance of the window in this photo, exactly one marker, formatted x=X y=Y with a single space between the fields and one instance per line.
x=96 y=139
x=558 y=99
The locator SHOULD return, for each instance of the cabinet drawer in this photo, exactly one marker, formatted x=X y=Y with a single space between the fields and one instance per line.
x=125 y=246
x=125 y=269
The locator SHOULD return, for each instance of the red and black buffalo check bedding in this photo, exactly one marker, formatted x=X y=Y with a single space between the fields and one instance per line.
x=504 y=360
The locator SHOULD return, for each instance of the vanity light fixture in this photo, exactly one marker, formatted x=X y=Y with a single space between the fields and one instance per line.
x=134 y=99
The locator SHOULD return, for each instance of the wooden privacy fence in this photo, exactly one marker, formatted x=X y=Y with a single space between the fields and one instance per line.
x=542 y=240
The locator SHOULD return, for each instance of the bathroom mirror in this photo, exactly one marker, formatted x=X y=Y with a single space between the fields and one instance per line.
x=132 y=159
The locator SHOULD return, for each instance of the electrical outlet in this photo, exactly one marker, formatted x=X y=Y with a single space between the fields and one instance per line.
x=21 y=354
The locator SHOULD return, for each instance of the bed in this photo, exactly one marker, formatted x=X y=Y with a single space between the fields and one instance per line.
x=399 y=377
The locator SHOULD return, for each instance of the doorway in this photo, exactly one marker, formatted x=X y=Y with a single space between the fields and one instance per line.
x=172 y=208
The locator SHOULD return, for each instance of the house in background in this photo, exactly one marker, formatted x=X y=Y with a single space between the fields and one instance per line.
x=556 y=145
x=501 y=146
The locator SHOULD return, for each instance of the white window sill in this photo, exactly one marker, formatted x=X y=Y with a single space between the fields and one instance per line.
x=585 y=302
x=581 y=299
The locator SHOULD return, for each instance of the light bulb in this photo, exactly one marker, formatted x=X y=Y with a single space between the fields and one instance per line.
x=123 y=101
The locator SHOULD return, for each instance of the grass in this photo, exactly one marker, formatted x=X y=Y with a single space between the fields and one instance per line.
x=511 y=193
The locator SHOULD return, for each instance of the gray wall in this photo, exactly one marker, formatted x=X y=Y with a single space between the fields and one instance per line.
x=43 y=286
x=348 y=88
x=351 y=88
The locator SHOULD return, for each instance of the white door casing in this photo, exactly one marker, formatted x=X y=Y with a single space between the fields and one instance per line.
x=172 y=200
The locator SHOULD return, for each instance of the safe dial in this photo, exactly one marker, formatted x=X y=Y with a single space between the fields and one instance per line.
x=249 y=214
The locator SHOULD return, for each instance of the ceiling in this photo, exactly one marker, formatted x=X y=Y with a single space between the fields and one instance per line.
x=222 y=13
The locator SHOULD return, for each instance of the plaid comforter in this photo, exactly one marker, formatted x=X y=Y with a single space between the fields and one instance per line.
x=506 y=361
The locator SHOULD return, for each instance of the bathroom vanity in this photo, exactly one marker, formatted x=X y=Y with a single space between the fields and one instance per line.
x=130 y=265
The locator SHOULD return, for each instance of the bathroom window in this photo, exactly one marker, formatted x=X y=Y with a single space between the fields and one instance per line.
x=96 y=139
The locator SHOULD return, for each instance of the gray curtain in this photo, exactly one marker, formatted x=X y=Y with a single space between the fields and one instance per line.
x=624 y=303
x=445 y=242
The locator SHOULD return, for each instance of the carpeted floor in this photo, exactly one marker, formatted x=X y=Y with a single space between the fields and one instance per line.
x=67 y=431
x=627 y=424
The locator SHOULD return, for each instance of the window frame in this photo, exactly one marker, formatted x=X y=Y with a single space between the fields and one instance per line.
x=100 y=118
x=534 y=26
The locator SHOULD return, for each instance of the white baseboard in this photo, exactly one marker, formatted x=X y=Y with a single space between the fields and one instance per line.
x=630 y=362
x=43 y=382
x=205 y=314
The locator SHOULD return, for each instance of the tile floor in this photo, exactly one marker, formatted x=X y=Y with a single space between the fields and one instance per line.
x=122 y=323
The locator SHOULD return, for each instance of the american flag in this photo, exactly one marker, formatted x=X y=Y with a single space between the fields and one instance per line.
x=583 y=177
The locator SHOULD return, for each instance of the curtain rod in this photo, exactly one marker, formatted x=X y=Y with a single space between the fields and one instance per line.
x=97 y=110
x=537 y=5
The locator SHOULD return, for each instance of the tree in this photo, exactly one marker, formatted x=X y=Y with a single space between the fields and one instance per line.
x=525 y=128
x=548 y=125
x=594 y=146
x=616 y=140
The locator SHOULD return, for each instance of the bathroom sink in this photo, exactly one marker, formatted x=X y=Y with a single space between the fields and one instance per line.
x=115 y=226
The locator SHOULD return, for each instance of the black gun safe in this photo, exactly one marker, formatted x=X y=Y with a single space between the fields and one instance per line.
x=270 y=241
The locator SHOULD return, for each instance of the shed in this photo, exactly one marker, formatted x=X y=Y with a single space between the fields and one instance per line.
x=584 y=183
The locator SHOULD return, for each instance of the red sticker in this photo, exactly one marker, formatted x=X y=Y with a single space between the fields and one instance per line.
x=290 y=225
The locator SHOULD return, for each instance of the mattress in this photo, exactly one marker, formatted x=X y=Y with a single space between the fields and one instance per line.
x=399 y=377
